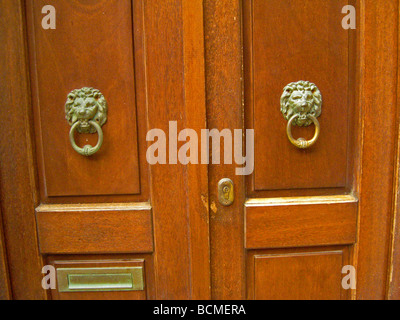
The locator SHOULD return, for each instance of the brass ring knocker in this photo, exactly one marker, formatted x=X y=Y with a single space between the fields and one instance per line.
x=87 y=150
x=86 y=112
x=301 y=143
x=301 y=105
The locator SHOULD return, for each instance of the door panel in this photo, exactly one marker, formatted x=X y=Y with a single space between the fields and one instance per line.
x=92 y=46
x=289 y=41
x=99 y=228
x=297 y=274
x=297 y=222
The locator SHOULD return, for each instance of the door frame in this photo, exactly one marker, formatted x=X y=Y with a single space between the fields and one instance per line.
x=5 y=290
x=378 y=103
x=18 y=178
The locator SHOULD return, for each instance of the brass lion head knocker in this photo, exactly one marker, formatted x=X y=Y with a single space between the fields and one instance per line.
x=301 y=105
x=86 y=112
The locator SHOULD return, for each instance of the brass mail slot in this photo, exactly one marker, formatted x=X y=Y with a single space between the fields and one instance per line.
x=100 y=279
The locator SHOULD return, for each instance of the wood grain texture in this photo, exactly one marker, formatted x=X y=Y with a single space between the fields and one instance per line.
x=17 y=169
x=393 y=287
x=175 y=78
x=297 y=274
x=5 y=288
x=164 y=79
x=285 y=223
x=197 y=174
x=95 y=229
x=288 y=41
x=92 y=46
x=378 y=100
x=224 y=110
x=139 y=91
x=164 y=69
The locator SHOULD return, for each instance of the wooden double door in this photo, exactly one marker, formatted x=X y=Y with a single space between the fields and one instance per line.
x=297 y=220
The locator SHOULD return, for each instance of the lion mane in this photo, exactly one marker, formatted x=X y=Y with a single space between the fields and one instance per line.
x=86 y=93
x=304 y=87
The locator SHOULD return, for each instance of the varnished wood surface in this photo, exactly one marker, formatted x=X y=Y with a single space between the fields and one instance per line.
x=167 y=83
x=324 y=281
x=164 y=56
x=197 y=175
x=286 y=223
x=378 y=100
x=224 y=110
x=175 y=79
x=5 y=289
x=17 y=169
x=288 y=41
x=89 y=48
x=95 y=229
x=139 y=91
x=279 y=48
x=297 y=274
x=393 y=287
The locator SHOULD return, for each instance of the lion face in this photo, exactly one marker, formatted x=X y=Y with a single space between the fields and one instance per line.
x=84 y=105
x=86 y=108
x=301 y=98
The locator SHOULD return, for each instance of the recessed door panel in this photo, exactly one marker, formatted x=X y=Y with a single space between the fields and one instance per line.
x=92 y=46
x=285 y=42
x=297 y=274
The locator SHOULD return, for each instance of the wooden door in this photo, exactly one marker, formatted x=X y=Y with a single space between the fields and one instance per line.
x=110 y=211
x=303 y=214
x=296 y=220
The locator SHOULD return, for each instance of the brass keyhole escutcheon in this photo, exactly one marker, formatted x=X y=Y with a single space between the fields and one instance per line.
x=226 y=192
x=301 y=105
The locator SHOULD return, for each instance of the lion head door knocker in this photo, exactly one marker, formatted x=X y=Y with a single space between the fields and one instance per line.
x=86 y=112
x=301 y=104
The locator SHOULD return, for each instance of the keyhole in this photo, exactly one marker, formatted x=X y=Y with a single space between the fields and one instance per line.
x=226 y=191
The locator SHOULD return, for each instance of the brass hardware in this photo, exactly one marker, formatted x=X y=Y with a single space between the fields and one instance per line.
x=86 y=112
x=302 y=143
x=100 y=279
x=301 y=105
x=226 y=194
